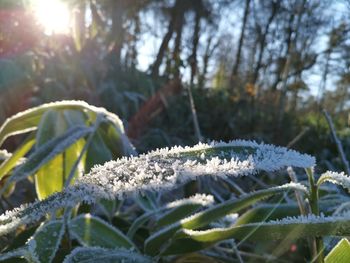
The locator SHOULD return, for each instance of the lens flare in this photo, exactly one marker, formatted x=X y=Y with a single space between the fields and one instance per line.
x=52 y=15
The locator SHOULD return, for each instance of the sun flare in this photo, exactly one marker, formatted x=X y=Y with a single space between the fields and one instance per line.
x=52 y=15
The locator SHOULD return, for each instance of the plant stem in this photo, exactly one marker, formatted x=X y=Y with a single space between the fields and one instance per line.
x=337 y=142
x=318 y=253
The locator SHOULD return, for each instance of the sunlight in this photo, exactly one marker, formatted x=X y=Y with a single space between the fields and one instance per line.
x=53 y=16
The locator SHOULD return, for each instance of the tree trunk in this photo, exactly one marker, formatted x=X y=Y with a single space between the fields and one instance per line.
x=262 y=42
x=240 y=43
x=117 y=31
x=283 y=95
x=162 y=48
x=177 y=45
x=165 y=42
x=195 y=40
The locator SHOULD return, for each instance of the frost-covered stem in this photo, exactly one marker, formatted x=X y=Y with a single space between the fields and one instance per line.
x=337 y=142
x=236 y=251
x=298 y=196
x=87 y=144
x=313 y=197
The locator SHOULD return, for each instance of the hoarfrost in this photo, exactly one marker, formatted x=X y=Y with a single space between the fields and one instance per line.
x=160 y=170
x=336 y=178
x=4 y=155
x=307 y=219
x=202 y=199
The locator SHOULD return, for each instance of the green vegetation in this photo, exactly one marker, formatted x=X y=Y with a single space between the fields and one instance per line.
x=186 y=78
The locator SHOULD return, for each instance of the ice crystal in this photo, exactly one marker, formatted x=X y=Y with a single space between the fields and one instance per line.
x=310 y=218
x=161 y=170
x=336 y=178
x=306 y=220
x=202 y=199
x=4 y=155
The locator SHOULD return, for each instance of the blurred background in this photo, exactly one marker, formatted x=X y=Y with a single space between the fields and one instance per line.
x=180 y=71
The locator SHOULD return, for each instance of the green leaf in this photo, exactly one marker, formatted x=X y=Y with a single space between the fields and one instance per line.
x=290 y=229
x=51 y=177
x=109 y=207
x=177 y=214
x=97 y=153
x=92 y=231
x=11 y=162
x=340 y=253
x=95 y=254
x=46 y=240
x=268 y=212
x=47 y=152
x=147 y=201
x=159 y=238
x=115 y=140
x=51 y=125
x=140 y=221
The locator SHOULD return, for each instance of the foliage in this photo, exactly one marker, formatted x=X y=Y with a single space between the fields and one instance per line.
x=84 y=222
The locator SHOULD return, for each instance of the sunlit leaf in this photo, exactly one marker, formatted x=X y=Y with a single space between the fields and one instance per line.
x=21 y=151
x=47 y=152
x=340 y=253
x=29 y=120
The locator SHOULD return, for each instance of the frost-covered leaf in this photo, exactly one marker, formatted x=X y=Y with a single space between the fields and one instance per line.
x=147 y=201
x=164 y=169
x=340 y=253
x=184 y=207
x=268 y=212
x=46 y=240
x=16 y=253
x=161 y=237
x=92 y=231
x=336 y=178
x=292 y=228
x=172 y=212
x=161 y=170
x=96 y=254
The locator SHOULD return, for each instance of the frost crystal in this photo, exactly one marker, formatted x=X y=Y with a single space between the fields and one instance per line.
x=336 y=178
x=202 y=199
x=161 y=170
x=310 y=218
x=4 y=155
